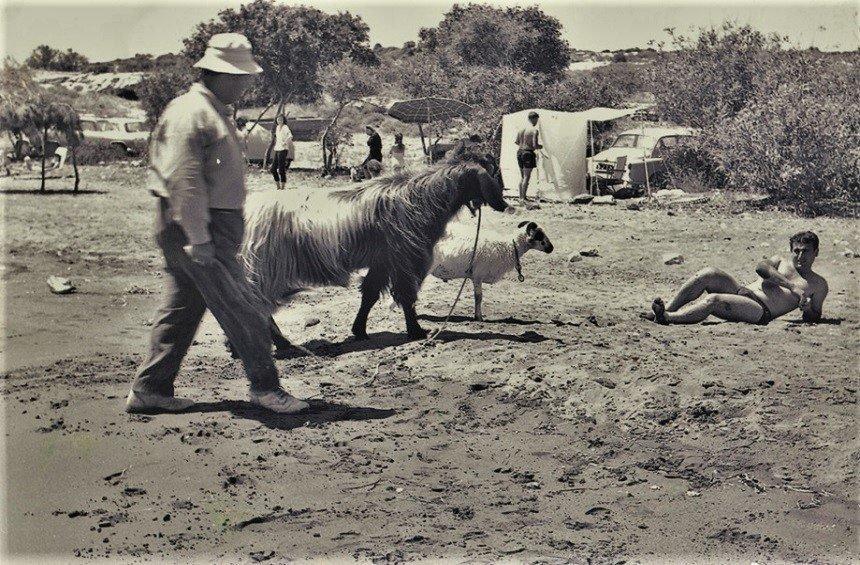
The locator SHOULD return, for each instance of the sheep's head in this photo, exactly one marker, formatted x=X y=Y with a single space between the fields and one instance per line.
x=536 y=237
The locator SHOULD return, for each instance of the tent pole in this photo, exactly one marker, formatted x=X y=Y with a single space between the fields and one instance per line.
x=591 y=142
x=421 y=131
x=645 y=162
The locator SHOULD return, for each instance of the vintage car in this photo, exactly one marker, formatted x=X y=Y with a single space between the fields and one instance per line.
x=635 y=154
x=124 y=134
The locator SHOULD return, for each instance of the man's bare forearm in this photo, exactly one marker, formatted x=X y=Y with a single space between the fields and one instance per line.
x=768 y=272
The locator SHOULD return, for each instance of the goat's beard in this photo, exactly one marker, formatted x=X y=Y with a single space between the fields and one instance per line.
x=473 y=206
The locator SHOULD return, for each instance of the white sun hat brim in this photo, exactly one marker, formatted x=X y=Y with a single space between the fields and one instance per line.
x=229 y=53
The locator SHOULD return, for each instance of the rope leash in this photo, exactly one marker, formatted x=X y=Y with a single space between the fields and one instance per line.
x=517 y=264
x=460 y=292
x=444 y=326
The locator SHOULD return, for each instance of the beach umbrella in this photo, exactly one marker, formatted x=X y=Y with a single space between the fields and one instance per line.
x=425 y=110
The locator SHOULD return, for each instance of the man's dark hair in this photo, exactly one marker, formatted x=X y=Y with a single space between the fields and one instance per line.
x=804 y=237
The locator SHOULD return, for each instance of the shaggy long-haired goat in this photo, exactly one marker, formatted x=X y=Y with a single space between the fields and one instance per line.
x=388 y=226
x=495 y=256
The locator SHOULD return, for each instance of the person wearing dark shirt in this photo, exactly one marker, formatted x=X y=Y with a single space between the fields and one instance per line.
x=374 y=142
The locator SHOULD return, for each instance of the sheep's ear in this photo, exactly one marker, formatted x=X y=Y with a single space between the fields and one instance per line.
x=532 y=226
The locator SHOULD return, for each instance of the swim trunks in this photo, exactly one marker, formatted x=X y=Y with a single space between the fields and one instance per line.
x=766 y=315
x=526 y=159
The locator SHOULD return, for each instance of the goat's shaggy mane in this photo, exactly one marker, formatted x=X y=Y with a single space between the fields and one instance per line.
x=391 y=224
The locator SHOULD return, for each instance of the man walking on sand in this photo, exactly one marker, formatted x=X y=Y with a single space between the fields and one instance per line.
x=527 y=147
x=197 y=173
x=783 y=285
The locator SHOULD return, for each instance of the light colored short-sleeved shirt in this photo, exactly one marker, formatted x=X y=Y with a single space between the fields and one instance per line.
x=196 y=161
x=527 y=137
x=283 y=138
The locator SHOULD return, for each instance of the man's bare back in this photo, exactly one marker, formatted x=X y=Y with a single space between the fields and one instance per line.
x=784 y=284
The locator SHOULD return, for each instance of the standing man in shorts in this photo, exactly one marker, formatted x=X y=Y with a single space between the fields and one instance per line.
x=527 y=146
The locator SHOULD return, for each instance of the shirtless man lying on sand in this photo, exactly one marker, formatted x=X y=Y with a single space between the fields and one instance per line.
x=783 y=286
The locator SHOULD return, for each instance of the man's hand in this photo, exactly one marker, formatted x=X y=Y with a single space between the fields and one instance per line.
x=802 y=295
x=202 y=253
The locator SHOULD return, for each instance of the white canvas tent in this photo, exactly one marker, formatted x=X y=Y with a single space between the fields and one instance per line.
x=561 y=166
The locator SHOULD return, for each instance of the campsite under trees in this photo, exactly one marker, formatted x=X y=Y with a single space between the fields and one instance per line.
x=766 y=127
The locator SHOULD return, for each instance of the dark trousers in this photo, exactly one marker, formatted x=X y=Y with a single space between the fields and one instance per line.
x=280 y=164
x=191 y=289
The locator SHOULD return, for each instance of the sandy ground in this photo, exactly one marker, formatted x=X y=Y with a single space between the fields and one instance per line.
x=562 y=428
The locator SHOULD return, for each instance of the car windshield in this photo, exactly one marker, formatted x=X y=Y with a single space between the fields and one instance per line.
x=135 y=127
x=108 y=126
x=626 y=140
x=87 y=125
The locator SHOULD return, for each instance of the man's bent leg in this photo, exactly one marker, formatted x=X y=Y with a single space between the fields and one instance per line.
x=708 y=280
x=730 y=307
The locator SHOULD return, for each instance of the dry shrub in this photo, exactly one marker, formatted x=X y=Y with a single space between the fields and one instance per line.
x=775 y=121
x=798 y=146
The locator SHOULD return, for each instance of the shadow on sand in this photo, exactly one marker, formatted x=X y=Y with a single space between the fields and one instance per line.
x=382 y=340
x=50 y=192
x=823 y=321
x=320 y=412
x=465 y=319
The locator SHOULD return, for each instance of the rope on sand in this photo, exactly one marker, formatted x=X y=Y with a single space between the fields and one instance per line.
x=443 y=327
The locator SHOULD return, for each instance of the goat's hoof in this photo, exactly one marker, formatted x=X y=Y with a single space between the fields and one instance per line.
x=420 y=333
x=281 y=353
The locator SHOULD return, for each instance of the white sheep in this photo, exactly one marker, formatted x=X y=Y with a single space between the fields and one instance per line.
x=496 y=255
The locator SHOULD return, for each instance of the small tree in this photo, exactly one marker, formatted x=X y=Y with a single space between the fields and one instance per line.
x=526 y=39
x=43 y=57
x=17 y=87
x=68 y=123
x=290 y=43
x=46 y=57
x=345 y=82
x=715 y=76
x=44 y=113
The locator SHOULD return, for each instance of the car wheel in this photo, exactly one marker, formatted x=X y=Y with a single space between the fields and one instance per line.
x=119 y=150
x=22 y=149
x=659 y=180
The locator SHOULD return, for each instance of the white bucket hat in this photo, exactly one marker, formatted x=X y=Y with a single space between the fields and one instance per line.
x=229 y=53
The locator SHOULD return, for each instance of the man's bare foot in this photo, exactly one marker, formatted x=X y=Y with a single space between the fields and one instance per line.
x=659 y=309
